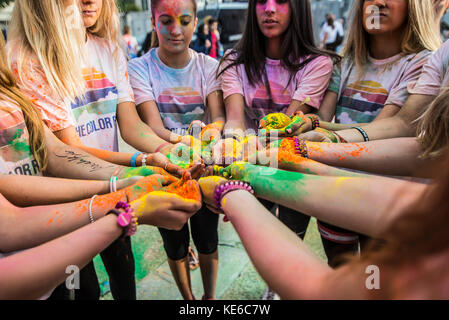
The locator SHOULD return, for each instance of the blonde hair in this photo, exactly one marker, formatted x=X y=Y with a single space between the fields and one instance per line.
x=420 y=32
x=9 y=89
x=108 y=25
x=55 y=34
x=433 y=127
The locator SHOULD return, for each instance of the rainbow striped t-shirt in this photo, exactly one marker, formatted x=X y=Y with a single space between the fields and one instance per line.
x=362 y=95
x=15 y=153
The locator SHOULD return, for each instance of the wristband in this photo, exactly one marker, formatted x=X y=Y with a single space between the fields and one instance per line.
x=232 y=136
x=113 y=184
x=315 y=121
x=91 y=218
x=161 y=146
x=229 y=186
x=134 y=158
x=363 y=133
x=126 y=219
x=144 y=160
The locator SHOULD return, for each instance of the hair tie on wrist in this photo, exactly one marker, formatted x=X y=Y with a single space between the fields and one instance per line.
x=229 y=186
x=363 y=133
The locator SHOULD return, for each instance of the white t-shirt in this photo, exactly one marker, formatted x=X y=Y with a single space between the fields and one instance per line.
x=180 y=94
x=384 y=82
x=107 y=86
x=332 y=32
x=94 y=116
x=15 y=153
x=435 y=74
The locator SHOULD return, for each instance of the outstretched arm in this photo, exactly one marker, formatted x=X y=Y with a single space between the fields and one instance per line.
x=403 y=124
x=299 y=273
x=21 y=190
x=23 y=228
x=399 y=157
x=32 y=273
x=357 y=204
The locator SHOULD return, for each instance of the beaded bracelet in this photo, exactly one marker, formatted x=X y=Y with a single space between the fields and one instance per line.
x=363 y=133
x=315 y=121
x=223 y=189
x=301 y=147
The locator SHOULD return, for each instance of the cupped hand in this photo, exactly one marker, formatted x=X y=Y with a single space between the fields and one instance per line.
x=165 y=210
x=148 y=184
x=318 y=135
x=208 y=185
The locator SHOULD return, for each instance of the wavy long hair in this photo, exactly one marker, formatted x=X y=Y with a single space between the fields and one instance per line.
x=420 y=32
x=433 y=127
x=298 y=43
x=33 y=121
x=56 y=35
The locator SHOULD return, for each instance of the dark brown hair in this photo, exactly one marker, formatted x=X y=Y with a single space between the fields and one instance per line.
x=298 y=43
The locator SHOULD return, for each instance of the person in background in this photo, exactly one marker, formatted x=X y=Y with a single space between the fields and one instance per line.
x=203 y=40
x=215 y=39
x=332 y=34
x=130 y=43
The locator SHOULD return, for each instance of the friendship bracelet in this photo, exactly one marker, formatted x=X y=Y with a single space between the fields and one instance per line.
x=144 y=160
x=363 y=132
x=162 y=146
x=91 y=218
x=134 y=158
x=113 y=184
x=229 y=186
x=315 y=121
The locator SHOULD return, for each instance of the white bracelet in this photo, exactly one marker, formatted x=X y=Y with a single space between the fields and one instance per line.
x=91 y=218
x=144 y=159
x=113 y=184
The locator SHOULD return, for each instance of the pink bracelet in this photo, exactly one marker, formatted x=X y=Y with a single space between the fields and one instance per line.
x=223 y=189
x=161 y=146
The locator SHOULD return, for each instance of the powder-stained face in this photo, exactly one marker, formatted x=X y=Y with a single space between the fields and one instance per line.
x=273 y=17
x=91 y=10
x=175 y=22
x=380 y=17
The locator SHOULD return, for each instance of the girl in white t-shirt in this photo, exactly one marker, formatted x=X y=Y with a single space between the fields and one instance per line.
x=386 y=49
x=175 y=86
x=388 y=44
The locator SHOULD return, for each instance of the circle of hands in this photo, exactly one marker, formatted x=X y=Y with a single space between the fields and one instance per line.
x=203 y=159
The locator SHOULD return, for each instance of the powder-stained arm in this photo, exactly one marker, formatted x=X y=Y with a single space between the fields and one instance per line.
x=403 y=124
x=32 y=273
x=26 y=191
x=366 y=205
x=22 y=228
x=399 y=157
x=288 y=266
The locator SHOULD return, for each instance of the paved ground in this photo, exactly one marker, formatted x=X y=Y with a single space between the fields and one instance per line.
x=237 y=278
